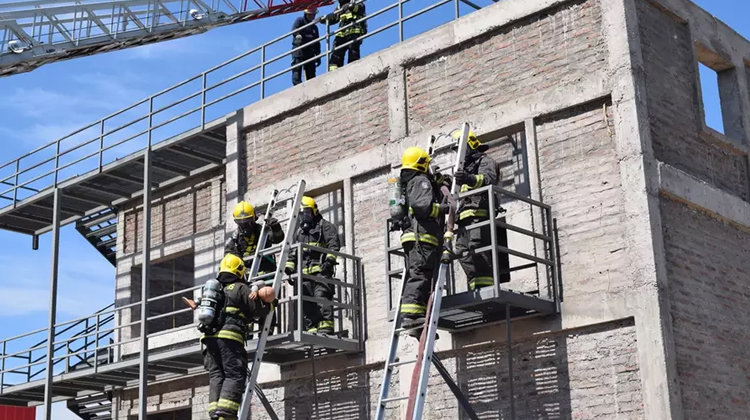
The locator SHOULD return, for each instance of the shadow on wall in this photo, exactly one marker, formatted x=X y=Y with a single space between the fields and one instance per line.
x=341 y=396
x=541 y=382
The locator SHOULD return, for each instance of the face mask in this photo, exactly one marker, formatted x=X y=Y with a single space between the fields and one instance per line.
x=306 y=218
x=246 y=226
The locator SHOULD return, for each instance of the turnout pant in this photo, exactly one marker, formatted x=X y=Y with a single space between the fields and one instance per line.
x=317 y=316
x=478 y=266
x=337 y=56
x=308 y=67
x=421 y=260
x=226 y=362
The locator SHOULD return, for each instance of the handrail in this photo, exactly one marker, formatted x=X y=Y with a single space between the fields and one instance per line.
x=45 y=161
x=106 y=323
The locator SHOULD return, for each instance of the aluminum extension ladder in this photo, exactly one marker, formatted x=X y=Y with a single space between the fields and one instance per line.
x=425 y=354
x=286 y=246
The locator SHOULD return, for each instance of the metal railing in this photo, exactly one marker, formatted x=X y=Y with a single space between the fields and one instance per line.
x=106 y=334
x=171 y=112
x=29 y=363
x=539 y=254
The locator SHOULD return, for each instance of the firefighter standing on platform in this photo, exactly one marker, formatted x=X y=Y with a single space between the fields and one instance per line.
x=316 y=231
x=422 y=233
x=478 y=170
x=347 y=16
x=308 y=37
x=244 y=241
x=224 y=355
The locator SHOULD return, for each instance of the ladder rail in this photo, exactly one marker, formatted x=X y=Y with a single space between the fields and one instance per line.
x=278 y=277
x=263 y=237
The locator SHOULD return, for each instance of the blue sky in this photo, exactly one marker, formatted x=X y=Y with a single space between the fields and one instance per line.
x=56 y=99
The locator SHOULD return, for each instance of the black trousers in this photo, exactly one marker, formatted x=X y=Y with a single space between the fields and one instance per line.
x=226 y=362
x=308 y=67
x=337 y=56
x=317 y=315
x=421 y=261
x=478 y=267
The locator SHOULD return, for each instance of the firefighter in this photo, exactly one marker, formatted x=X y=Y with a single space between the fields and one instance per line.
x=347 y=15
x=422 y=234
x=224 y=355
x=244 y=241
x=478 y=170
x=315 y=230
x=308 y=36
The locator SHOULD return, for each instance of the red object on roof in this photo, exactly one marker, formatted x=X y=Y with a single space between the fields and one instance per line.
x=17 y=413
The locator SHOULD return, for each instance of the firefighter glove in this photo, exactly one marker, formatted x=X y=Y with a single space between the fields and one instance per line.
x=273 y=224
x=463 y=178
x=317 y=62
x=326 y=268
x=289 y=271
x=297 y=40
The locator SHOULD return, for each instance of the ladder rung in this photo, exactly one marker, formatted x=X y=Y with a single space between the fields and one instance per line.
x=416 y=327
x=387 y=400
x=403 y=362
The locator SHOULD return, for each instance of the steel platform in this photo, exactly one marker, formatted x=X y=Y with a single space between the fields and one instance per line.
x=173 y=160
x=283 y=348
x=464 y=311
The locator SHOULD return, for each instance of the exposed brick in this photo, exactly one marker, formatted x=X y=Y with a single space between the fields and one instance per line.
x=557 y=47
x=347 y=123
x=708 y=266
x=580 y=179
x=672 y=94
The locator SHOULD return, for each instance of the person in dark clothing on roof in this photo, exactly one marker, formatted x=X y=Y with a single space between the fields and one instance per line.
x=307 y=38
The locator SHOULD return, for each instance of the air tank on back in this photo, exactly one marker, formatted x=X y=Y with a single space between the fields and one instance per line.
x=210 y=302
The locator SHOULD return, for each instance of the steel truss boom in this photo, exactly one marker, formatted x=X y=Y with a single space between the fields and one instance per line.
x=34 y=33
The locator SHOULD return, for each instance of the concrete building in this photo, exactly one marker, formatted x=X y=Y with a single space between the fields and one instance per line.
x=593 y=107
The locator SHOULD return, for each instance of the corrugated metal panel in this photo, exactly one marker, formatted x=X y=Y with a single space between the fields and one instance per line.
x=17 y=413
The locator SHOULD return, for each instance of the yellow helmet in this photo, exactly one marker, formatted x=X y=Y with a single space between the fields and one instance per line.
x=472 y=141
x=309 y=203
x=415 y=158
x=233 y=264
x=243 y=211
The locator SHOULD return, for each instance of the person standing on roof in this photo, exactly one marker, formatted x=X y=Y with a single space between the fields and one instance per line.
x=307 y=38
x=422 y=234
x=478 y=170
x=245 y=239
x=225 y=356
x=347 y=16
x=316 y=231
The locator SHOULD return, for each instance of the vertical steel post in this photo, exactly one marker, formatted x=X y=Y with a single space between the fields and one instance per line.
x=328 y=45
x=553 y=257
x=400 y=20
x=52 y=302
x=101 y=146
x=57 y=160
x=493 y=241
x=203 y=102
x=146 y=252
x=262 y=72
x=458 y=12
x=508 y=327
x=300 y=318
x=2 y=368
x=15 y=184
x=96 y=344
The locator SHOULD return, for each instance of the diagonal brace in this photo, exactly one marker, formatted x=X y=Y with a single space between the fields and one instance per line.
x=452 y=385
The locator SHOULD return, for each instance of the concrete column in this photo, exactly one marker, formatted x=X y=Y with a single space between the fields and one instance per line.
x=661 y=394
x=398 y=119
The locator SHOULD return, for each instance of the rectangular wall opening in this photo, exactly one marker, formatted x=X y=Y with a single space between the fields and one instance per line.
x=711 y=100
x=166 y=277
x=720 y=94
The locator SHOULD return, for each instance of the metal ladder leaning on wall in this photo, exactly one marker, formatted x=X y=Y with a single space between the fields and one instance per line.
x=277 y=281
x=425 y=354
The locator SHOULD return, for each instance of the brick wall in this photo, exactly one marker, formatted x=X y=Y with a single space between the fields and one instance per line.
x=187 y=212
x=342 y=125
x=672 y=95
x=541 y=52
x=580 y=179
x=708 y=262
x=370 y=204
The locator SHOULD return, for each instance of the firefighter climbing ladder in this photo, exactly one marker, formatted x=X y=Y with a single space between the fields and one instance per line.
x=426 y=356
x=277 y=280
